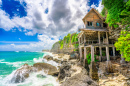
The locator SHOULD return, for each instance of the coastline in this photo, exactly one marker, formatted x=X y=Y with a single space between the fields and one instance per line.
x=71 y=73
x=74 y=78
x=59 y=69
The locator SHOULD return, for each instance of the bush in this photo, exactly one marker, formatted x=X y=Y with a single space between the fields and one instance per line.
x=88 y=57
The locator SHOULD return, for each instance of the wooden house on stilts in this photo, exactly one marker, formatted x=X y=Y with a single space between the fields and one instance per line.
x=94 y=38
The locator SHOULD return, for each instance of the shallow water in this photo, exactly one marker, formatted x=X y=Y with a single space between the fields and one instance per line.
x=11 y=61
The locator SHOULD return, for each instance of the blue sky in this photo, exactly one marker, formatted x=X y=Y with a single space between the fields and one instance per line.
x=28 y=25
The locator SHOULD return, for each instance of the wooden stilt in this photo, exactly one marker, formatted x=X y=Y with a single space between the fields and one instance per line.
x=84 y=55
x=92 y=53
x=107 y=53
x=100 y=49
x=80 y=53
x=107 y=38
x=122 y=59
x=113 y=51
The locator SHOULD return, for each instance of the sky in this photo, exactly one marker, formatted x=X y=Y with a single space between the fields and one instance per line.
x=34 y=25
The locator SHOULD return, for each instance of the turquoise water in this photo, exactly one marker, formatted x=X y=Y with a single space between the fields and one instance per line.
x=10 y=61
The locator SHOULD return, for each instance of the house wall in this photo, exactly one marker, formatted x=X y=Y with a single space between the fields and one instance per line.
x=93 y=17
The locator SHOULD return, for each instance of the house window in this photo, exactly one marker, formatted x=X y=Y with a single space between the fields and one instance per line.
x=98 y=24
x=90 y=23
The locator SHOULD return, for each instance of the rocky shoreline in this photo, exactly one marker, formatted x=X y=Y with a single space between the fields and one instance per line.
x=70 y=72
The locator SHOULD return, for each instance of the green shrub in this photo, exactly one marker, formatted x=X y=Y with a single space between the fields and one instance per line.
x=88 y=57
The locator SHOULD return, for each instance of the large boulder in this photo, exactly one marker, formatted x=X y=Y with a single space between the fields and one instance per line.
x=21 y=74
x=49 y=69
x=48 y=57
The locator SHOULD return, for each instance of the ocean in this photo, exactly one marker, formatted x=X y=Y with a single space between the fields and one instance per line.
x=10 y=61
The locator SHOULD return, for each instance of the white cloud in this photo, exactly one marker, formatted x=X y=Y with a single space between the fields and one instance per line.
x=0 y=2
x=100 y=7
x=63 y=16
x=45 y=43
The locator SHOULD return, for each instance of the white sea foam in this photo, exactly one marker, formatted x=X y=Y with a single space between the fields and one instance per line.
x=37 y=60
x=2 y=60
x=44 y=60
x=51 y=62
x=14 y=64
x=33 y=80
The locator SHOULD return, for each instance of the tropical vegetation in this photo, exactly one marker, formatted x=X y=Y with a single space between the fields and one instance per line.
x=117 y=13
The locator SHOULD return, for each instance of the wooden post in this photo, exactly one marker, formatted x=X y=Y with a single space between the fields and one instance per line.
x=84 y=39
x=113 y=51
x=92 y=53
x=84 y=55
x=122 y=59
x=80 y=53
x=107 y=53
x=99 y=38
x=100 y=58
x=107 y=38
x=81 y=39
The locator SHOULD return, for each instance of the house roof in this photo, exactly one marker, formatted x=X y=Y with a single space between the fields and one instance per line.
x=90 y=12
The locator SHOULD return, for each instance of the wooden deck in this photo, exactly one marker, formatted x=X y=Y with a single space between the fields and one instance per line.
x=88 y=29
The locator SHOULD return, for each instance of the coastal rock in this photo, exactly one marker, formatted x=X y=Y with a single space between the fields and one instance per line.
x=73 y=56
x=80 y=79
x=56 y=60
x=64 y=71
x=48 y=57
x=21 y=74
x=49 y=69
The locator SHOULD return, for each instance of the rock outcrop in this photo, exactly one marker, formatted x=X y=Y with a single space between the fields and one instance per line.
x=80 y=79
x=56 y=47
x=21 y=74
x=64 y=71
x=48 y=57
x=49 y=69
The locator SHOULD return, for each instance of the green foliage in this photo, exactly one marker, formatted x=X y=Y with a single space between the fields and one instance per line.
x=61 y=44
x=67 y=39
x=74 y=38
x=103 y=12
x=114 y=8
x=119 y=14
x=103 y=54
x=88 y=57
x=125 y=14
x=123 y=44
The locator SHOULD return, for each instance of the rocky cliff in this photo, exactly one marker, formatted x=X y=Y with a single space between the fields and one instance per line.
x=67 y=45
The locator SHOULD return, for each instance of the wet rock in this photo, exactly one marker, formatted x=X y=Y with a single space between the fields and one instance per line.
x=49 y=69
x=41 y=76
x=48 y=57
x=21 y=74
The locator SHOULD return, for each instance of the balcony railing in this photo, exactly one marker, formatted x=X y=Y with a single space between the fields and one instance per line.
x=89 y=42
